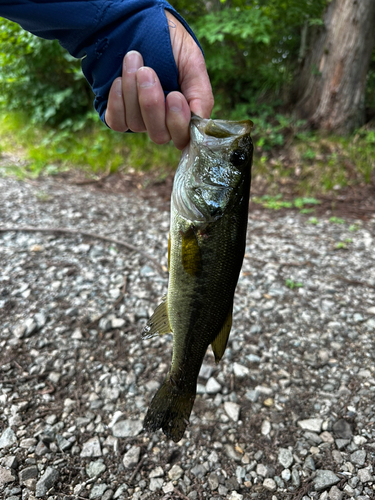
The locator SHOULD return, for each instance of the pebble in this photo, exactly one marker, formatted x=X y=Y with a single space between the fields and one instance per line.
x=131 y=457
x=91 y=448
x=41 y=449
x=305 y=360
x=232 y=410
x=98 y=490
x=231 y=453
x=311 y=424
x=240 y=371
x=175 y=473
x=48 y=479
x=285 y=457
x=213 y=481
x=127 y=428
x=156 y=483
x=206 y=371
x=212 y=386
x=95 y=468
x=265 y=428
x=269 y=484
x=286 y=475
x=158 y=472
x=28 y=473
x=342 y=429
x=358 y=457
x=235 y=496
x=262 y=470
x=7 y=476
x=335 y=493
x=365 y=475
x=324 y=479
x=7 y=438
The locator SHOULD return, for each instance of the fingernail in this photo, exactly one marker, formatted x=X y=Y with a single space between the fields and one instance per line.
x=175 y=103
x=145 y=78
x=118 y=86
x=132 y=61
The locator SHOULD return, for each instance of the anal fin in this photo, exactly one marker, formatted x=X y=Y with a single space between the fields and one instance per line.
x=220 y=342
x=158 y=324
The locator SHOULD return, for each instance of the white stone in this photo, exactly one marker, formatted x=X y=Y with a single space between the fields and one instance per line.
x=212 y=386
x=7 y=476
x=262 y=470
x=206 y=371
x=175 y=473
x=359 y=440
x=115 y=418
x=168 y=488
x=8 y=438
x=232 y=410
x=266 y=427
x=91 y=448
x=156 y=483
x=240 y=371
x=131 y=457
x=286 y=475
x=127 y=428
x=235 y=496
x=117 y=322
x=157 y=472
x=269 y=484
x=365 y=475
x=285 y=457
x=311 y=424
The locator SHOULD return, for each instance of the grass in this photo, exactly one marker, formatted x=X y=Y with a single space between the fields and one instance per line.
x=314 y=162
x=90 y=146
x=286 y=155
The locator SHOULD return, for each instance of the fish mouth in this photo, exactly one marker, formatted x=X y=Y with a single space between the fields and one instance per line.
x=222 y=129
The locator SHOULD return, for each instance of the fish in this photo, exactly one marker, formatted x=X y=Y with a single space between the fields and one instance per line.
x=209 y=213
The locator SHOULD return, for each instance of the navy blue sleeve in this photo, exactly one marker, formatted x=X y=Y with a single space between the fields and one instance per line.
x=101 y=32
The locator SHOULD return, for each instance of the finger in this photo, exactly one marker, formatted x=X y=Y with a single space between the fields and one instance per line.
x=132 y=62
x=178 y=119
x=196 y=87
x=115 y=112
x=152 y=104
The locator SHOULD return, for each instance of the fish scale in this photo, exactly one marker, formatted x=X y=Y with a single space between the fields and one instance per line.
x=209 y=212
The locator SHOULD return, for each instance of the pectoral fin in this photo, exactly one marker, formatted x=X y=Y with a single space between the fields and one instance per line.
x=190 y=253
x=158 y=324
x=220 y=343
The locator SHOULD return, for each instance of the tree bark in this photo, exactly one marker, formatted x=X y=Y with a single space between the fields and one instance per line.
x=331 y=86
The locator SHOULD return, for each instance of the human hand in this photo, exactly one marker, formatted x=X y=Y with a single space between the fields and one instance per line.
x=136 y=100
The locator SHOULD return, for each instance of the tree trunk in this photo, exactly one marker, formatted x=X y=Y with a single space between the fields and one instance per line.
x=332 y=83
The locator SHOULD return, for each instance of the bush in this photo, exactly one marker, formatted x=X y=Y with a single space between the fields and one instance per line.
x=39 y=76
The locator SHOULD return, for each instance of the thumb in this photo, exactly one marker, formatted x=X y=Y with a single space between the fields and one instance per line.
x=193 y=77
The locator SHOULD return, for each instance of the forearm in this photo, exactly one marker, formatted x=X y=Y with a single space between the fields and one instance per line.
x=101 y=32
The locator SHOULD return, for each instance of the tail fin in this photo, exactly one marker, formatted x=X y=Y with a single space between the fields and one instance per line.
x=170 y=410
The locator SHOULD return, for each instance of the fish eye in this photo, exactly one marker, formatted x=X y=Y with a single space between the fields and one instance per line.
x=238 y=157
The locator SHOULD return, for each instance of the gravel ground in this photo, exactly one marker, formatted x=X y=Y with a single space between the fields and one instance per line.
x=289 y=413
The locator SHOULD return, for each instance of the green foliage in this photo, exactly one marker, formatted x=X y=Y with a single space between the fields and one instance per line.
x=313 y=220
x=92 y=147
x=276 y=202
x=41 y=77
x=251 y=48
x=293 y=284
x=337 y=220
x=343 y=245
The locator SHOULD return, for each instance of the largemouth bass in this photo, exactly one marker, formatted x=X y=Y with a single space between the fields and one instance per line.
x=209 y=212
